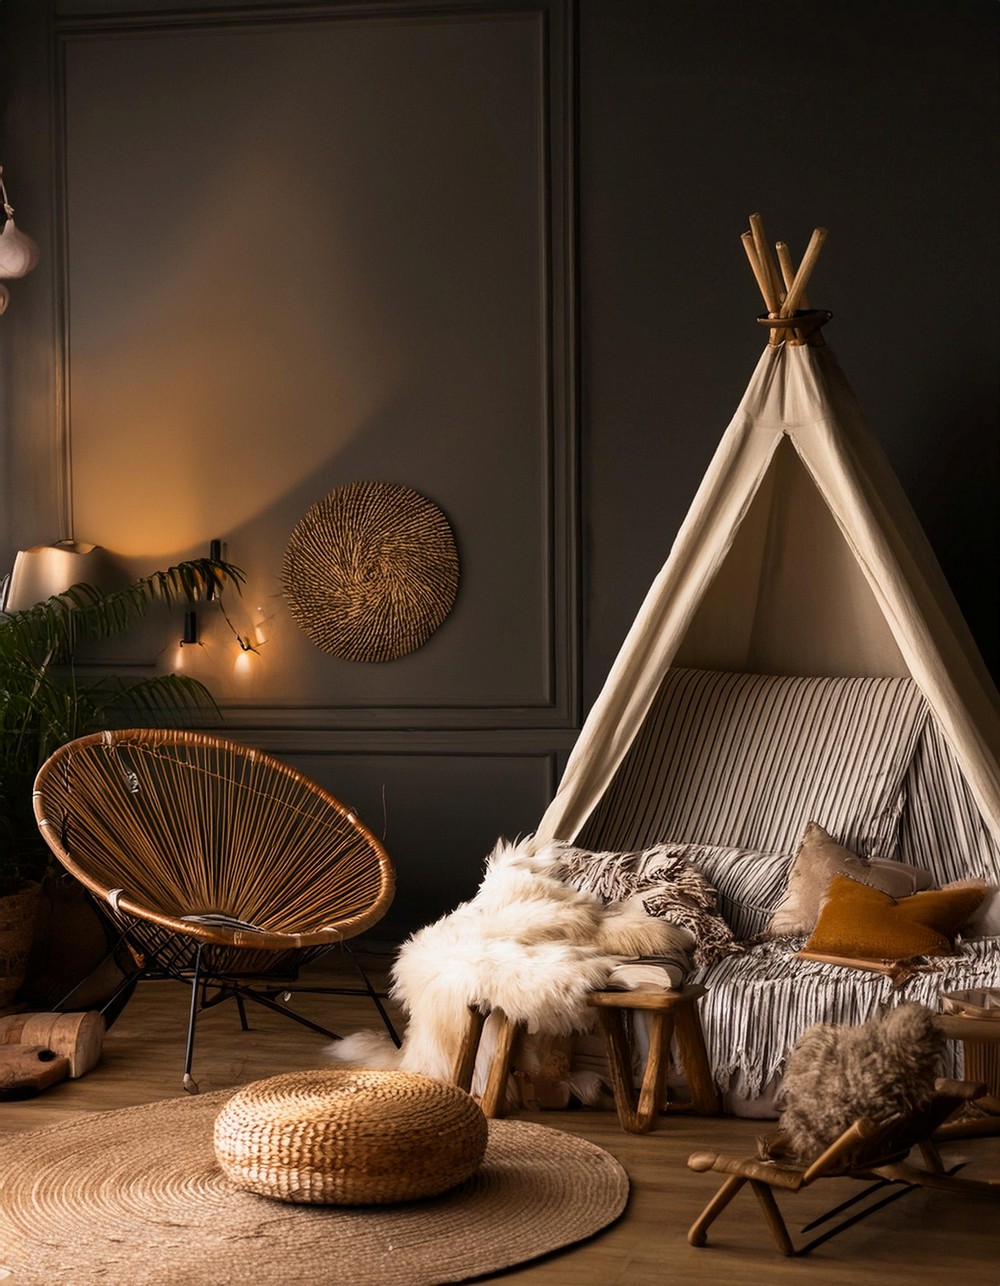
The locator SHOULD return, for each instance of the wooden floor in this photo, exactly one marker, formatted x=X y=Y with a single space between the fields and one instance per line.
x=924 y=1239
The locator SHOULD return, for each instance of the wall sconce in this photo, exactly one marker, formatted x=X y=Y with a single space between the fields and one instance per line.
x=190 y=628
x=191 y=616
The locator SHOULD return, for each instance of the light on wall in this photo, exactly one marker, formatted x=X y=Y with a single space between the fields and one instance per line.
x=191 y=626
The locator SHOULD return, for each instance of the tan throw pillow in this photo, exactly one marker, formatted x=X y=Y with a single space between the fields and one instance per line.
x=985 y=920
x=858 y=921
x=818 y=860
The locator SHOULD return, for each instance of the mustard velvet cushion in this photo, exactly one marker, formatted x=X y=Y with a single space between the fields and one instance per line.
x=818 y=859
x=859 y=921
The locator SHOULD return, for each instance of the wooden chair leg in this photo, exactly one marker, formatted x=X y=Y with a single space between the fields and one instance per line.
x=693 y=1057
x=698 y=1232
x=465 y=1059
x=661 y=1031
x=620 y=1063
x=773 y=1216
x=493 y=1101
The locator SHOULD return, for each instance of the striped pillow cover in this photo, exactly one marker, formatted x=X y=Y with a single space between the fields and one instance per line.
x=750 y=884
x=745 y=760
x=942 y=828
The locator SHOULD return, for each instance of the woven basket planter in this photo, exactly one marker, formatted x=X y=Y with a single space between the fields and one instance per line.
x=18 y=918
x=371 y=571
x=350 y=1137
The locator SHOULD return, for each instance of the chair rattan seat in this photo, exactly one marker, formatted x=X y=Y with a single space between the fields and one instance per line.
x=338 y=1137
x=214 y=862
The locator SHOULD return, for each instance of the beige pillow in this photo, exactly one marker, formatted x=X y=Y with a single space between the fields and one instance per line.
x=818 y=860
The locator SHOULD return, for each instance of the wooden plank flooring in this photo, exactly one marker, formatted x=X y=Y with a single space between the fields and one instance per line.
x=926 y=1238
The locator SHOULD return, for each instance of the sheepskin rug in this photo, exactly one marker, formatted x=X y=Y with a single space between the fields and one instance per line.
x=527 y=943
x=882 y=1068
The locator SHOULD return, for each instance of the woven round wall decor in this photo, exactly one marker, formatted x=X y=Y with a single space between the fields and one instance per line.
x=371 y=571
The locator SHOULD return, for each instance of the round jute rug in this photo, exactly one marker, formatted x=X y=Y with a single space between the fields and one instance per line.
x=135 y=1198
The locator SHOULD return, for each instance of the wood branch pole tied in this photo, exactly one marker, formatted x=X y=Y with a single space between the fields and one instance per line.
x=783 y=286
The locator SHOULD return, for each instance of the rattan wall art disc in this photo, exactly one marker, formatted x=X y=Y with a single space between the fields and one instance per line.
x=371 y=571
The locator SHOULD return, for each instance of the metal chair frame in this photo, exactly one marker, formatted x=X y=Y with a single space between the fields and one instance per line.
x=82 y=797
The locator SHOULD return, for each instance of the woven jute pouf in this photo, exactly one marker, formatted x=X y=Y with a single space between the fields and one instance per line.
x=338 y=1137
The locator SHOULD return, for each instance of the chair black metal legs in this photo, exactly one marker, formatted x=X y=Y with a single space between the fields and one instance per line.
x=200 y=977
x=189 y=1083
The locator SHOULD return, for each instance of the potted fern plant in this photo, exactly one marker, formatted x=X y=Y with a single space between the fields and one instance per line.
x=44 y=703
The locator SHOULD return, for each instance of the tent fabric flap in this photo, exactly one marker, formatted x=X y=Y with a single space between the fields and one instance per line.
x=797 y=395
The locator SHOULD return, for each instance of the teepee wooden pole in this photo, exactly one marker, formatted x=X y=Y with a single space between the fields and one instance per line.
x=785 y=264
x=766 y=258
x=788 y=276
x=763 y=282
x=798 y=286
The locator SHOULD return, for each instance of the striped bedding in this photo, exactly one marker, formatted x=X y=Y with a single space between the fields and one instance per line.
x=727 y=770
x=745 y=760
x=758 y=1004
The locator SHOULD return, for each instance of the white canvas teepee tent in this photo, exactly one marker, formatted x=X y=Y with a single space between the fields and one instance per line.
x=799 y=658
x=799 y=556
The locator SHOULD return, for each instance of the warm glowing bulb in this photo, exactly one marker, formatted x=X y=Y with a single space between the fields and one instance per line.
x=243 y=664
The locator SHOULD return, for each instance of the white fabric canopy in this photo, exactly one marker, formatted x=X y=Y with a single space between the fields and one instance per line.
x=800 y=555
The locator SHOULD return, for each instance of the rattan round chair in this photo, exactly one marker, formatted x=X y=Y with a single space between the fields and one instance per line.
x=215 y=863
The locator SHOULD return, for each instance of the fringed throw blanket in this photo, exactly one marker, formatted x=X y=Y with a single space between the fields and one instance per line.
x=759 y=1004
x=666 y=884
x=535 y=946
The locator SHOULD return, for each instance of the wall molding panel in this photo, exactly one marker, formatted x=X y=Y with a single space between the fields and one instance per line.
x=311 y=244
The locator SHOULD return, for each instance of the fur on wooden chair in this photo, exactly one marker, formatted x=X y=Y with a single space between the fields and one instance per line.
x=858 y=1100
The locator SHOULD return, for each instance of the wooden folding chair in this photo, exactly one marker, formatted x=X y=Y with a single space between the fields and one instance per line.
x=866 y=1150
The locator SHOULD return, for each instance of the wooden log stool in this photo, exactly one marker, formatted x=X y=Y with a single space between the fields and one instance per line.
x=670 y=1013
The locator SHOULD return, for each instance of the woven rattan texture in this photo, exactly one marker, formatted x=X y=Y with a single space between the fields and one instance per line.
x=350 y=1137
x=184 y=823
x=136 y=1196
x=371 y=571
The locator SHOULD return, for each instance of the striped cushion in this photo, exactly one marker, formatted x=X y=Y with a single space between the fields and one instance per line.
x=942 y=828
x=745 y=760
x=750 y=884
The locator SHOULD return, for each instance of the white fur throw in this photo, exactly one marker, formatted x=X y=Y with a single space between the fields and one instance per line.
x=527 y=943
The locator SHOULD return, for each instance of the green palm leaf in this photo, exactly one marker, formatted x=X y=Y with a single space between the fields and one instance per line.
x=43 y=704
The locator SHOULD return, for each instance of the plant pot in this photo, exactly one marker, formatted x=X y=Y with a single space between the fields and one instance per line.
x=18 y=917
x=71 y=966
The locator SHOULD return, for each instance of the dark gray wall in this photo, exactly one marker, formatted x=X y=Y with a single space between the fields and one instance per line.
x=300 y=245
x=877 y=120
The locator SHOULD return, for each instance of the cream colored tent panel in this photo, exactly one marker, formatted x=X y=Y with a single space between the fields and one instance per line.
x=800 y=555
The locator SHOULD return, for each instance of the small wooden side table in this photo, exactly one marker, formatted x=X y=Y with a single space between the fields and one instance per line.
x=669 y=1012
x=979 y=1036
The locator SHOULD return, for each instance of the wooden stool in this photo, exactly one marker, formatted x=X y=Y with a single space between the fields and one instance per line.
x=670 y=1012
